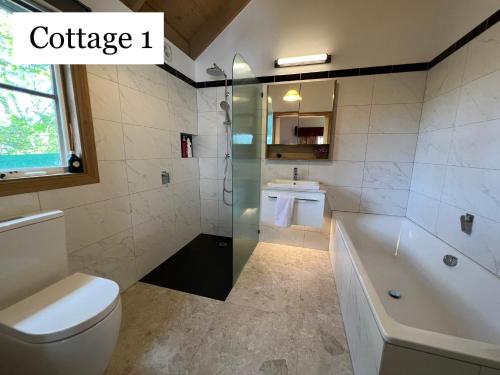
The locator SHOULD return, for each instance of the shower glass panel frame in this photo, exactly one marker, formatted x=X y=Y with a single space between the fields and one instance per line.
x=246 y=161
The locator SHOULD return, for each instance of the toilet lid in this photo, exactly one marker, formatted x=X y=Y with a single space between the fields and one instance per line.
x=61 y=310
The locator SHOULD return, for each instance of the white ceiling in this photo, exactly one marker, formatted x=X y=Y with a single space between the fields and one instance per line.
x=358 y=32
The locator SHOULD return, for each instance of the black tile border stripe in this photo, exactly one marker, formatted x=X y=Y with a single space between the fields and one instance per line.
x=179 y=75
x=384 y=69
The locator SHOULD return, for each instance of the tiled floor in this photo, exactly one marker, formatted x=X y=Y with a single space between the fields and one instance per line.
x=282 y=317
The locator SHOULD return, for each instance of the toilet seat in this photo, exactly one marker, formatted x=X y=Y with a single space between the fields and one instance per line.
x=64 y=309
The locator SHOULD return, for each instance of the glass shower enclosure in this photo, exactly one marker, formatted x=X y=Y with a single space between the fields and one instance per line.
x=246 y=162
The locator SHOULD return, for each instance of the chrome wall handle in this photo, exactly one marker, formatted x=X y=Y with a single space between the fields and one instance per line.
x=299 y=199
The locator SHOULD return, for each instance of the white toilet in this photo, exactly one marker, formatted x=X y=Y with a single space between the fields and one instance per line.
x=51 y=323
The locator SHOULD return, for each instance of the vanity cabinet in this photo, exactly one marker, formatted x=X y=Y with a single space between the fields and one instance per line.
x=308 y=208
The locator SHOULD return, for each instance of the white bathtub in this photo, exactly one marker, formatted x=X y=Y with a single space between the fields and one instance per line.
x=448 y=319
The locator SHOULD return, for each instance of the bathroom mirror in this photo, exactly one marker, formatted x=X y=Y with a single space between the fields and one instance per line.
x=300 y=120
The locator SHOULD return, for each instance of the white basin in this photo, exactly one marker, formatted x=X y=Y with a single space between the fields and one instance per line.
x=291 y=184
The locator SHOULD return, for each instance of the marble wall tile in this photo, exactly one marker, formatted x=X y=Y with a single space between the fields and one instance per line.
x=90 y=223
x=112 y=257
x=479 y=100
x=185 y=169
x=154 y=242
x=207 y=99
x=175 y=145
x=384 y=201
x=428 y=179
x=99 y=216
x=185 y=120
x=145 y=110
x=272 y=170
x=433 y=147
x=146 y=143
x=352 y=119
x=337 y=173
x=439 y=112
x=146 y=174
x=461 y=170
x=447 y=75
x=109 y=140
x=220 y=118
x=225 y=214
x=14 y=205
x=395 y=118
x=206 y=149
x=113 y=183
x=209 y=168
x=210 y=226
x=476 y=145
x=475 y=190
x=205 y=146
x=209 y=189
x=391 y=147
x=344 y=198
x=481 y=245
x=423 y=211
x=104 y=99
x=208 y=123
x=483 y=54
x=108 y=72
x=181 y=94
x=350 y=147
x=187 y=193
x=187 y=225
x=149 y=204
x=399 y=88
x=355 y=90
x=209 y=210
x=376 y=131
x=148 y=79
x=389 y=175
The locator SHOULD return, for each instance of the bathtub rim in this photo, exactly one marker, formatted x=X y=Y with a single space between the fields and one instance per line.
x=458 y=348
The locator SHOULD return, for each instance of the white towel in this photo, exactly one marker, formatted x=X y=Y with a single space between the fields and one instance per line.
x=284 y=211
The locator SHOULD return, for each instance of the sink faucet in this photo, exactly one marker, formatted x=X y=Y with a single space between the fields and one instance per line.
x=295 y=174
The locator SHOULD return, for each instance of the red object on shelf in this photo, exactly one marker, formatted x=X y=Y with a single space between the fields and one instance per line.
x=184 y=152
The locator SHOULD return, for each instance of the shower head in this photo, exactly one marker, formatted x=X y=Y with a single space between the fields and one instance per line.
x=224 y=105
x=216 y=71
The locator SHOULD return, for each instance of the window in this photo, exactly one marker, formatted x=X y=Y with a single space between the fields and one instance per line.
x=44 y=114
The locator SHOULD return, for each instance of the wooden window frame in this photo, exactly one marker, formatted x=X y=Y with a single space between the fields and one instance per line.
x=76 y=87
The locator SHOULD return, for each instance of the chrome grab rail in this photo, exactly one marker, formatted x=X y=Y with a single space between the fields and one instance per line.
x=299 y=199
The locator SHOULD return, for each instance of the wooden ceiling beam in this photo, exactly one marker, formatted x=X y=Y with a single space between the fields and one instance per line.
x=172 y=35
x=135 y=5
x=208 y=31
x=192 y=26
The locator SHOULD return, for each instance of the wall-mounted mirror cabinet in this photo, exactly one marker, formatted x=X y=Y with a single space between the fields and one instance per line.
x=300 y=120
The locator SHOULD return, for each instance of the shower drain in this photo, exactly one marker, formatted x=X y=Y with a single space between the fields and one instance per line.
x=394 y=293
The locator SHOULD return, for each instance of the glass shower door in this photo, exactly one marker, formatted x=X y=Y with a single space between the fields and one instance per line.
x=246 y=159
